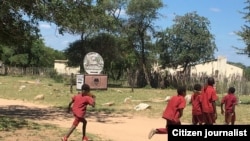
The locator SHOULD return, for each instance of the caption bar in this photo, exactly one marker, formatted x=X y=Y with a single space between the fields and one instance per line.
x=208 y=132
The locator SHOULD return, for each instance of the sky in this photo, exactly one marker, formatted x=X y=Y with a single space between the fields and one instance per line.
x=224 y=16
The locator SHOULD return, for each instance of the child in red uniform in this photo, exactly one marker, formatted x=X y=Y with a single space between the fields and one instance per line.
x=197 y=116
x=208 y=105
x=80 y=103
x=173 y=112
x=230 y=101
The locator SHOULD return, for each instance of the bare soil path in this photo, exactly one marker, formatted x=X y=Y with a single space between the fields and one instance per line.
x=109 y=127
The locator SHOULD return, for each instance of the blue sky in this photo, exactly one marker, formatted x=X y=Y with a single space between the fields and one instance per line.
x=224 y=16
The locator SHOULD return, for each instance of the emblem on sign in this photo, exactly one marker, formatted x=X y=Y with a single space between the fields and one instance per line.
x=93 y=63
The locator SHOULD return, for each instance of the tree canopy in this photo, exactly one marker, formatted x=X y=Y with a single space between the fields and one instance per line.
x=122 y=31
x=245 y=31
x=187 y=42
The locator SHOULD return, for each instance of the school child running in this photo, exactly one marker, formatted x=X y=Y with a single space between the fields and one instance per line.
x=229 y=101
x=173 y=111
x=208 y=105
x=79 y=107
x=197 y=116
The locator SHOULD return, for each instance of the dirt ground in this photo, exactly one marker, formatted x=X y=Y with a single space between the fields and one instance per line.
x=109 y=127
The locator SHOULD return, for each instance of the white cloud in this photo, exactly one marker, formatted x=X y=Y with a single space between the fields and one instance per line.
x=215 y=9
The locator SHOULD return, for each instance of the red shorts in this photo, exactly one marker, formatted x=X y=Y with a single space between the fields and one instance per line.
x=165 y=130
x=229 y=117
x=77 y=120
x=197 y=119
x=171 y=122
x=209 y=118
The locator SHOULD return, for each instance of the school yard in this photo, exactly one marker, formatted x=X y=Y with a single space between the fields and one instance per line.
x=113 y=119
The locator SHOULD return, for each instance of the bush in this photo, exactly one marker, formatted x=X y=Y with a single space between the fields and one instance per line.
x=55 y=76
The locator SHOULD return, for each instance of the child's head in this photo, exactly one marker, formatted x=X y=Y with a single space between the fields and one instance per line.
x=181 y=90
x=231 y=90
x=210 y=81
x=85 y=88
x=197 y=88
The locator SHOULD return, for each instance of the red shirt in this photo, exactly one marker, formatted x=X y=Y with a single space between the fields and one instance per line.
x=171 y=111
x=207 y=97
x=196 y=104
x=229 y=100
x=80 y=103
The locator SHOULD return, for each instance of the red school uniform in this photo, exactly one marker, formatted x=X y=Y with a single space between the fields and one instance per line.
x=207 y=97
x=171 y=111
x=229 y=100
x=196 y=104
x=80 y=104
x=197 y=115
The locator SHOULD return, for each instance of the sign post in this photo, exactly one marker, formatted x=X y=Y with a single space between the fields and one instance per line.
x=93 y=65
x=79 y=81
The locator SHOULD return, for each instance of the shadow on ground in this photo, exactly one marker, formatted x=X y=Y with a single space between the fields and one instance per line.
x=52 y=113
x=33 y=113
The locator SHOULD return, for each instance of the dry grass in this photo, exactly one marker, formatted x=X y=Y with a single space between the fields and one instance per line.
x=58 y=95
x=14 y=129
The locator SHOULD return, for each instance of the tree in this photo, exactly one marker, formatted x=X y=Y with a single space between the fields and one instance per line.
x=108 y=46
x=34 y=55
x=247 y=73
x=141 y=15
x=164 y=41
x=187 y=42
x=19 y=20
x=86 y=17
x=20 y=40
x=245 y=31
x=43 y=56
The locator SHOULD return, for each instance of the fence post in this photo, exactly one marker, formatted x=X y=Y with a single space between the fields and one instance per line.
x=71 y=83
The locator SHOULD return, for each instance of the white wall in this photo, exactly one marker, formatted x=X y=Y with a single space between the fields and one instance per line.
x=62 y=68
x=217 y=67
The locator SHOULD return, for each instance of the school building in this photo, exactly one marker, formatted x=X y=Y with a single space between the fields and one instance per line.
x=218 y=68
x=61 y=67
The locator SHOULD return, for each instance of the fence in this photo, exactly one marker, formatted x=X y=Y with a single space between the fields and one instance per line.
x=26 y=71
x=242 y=86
